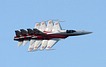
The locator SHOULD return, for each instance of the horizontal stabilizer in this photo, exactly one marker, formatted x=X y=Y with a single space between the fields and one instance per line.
x=18 y=33
x=30 y=31
x=23 y=32
x=36 y=31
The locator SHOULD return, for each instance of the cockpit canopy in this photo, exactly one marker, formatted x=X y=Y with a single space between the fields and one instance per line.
x=70 y=31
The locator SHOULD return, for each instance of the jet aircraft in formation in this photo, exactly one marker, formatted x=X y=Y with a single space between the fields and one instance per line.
x=44 y=36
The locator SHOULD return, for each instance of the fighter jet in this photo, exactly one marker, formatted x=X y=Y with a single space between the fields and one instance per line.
x=44 y=36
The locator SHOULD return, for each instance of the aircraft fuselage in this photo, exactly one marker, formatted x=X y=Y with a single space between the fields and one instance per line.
x=47 y=36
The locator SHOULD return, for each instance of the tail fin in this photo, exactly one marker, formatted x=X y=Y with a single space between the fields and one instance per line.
x=56 y=27
x=42 y=26
x=30 y=31
x=37 y=25
x=23 y=32
x=49 y=25
x=18 y=33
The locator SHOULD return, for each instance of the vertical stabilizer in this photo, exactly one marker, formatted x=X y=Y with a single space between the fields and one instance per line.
x=42 y=26
x=49 y=26
x=37 y=25
x=56 y=27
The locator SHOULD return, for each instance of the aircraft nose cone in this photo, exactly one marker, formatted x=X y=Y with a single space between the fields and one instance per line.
x=88 y=32
x=85 y=32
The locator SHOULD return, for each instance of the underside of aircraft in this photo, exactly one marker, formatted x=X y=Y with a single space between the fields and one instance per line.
x=44 y=36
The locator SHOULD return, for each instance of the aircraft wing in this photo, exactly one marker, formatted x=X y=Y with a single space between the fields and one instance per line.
x=54 y=29
x=43 y=44
x=48 y=29
x=32 y=42
x=34 y=45
x=37 y=44
x=51 y=43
